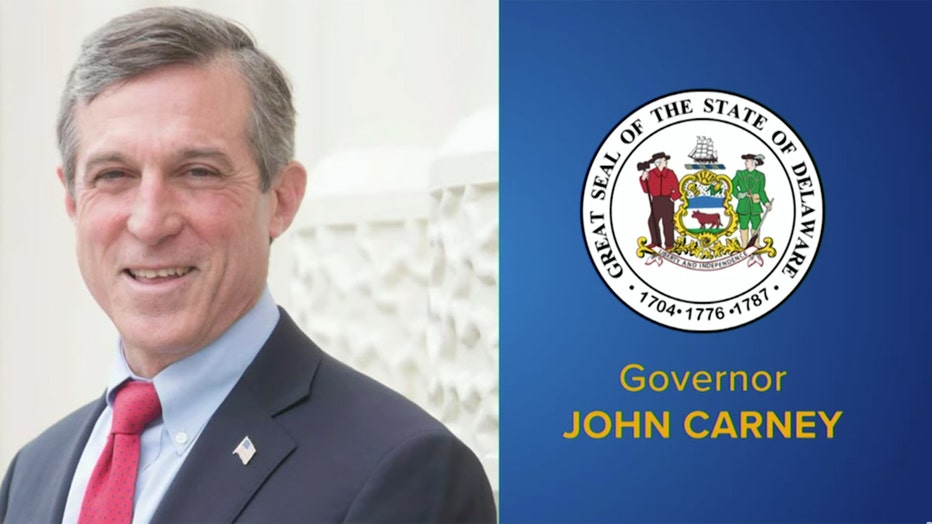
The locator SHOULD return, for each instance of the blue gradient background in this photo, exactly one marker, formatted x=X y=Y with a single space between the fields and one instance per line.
x=852 y=80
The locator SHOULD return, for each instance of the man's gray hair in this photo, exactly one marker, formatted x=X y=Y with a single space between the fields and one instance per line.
x=148 y=39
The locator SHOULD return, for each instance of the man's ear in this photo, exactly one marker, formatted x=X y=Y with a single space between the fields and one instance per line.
x=287 y=192
x=69 y=199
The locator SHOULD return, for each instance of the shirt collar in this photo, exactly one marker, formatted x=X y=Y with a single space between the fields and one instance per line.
x=191 y=389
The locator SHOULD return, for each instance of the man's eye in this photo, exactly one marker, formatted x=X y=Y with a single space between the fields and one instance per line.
x=200 y=172
x=111 y=175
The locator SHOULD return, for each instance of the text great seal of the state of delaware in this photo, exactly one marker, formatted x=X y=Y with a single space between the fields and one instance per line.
x=702 y=210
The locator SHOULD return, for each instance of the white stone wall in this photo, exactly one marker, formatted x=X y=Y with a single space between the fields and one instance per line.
x=392 y=262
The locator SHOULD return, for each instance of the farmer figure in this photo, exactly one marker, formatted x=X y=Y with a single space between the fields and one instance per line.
x=662 y=190
x=749 y=186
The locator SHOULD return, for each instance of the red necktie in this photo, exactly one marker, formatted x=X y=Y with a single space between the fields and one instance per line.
x=110 y=490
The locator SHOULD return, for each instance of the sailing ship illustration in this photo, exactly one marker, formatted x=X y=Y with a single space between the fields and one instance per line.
x=704 y=152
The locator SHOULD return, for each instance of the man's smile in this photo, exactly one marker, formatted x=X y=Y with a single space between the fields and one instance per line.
x=157 y=274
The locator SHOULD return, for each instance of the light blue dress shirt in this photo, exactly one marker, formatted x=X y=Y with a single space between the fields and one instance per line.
x=190 y=391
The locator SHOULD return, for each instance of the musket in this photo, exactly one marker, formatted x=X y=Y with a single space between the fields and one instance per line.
x=753 y=240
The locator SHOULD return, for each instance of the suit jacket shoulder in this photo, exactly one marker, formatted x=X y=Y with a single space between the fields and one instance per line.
x=332 y=445
x=406 y=466
x=37 y=482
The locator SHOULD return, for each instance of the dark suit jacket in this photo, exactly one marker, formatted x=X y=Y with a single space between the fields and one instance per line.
x=331 y=444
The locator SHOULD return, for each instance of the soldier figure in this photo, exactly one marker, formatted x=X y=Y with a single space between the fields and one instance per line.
x=750 y=188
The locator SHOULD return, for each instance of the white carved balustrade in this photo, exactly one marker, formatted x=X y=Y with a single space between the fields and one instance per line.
x=396 y=273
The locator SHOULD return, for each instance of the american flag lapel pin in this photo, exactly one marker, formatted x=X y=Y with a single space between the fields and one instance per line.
x=245 y=450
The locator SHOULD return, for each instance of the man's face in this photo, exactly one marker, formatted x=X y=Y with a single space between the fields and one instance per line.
x=172 y=228
x=750 y=164
x=661 y=163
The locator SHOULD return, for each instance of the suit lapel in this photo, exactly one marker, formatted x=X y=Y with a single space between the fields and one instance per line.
x=213 y=485
x=60 y=477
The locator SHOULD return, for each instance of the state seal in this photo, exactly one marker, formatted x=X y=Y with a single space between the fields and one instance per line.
x=702 y=210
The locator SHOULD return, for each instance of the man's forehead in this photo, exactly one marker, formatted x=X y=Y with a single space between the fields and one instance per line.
x=199 y=86
x=205 y=103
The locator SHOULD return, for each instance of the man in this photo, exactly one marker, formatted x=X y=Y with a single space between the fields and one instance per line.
x=177 y=138
x=662 y=189
x=750 y=188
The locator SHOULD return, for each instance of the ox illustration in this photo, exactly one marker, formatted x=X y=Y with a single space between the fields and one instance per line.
x=707 y=220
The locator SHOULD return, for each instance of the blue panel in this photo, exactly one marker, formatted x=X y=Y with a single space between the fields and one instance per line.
x=852 y=79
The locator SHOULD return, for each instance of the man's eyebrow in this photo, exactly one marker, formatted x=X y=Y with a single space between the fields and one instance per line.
x=206 y=153
x=114 y=157
x=106 y=157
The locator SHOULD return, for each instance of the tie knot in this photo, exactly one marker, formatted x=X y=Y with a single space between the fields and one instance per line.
x=136 y=404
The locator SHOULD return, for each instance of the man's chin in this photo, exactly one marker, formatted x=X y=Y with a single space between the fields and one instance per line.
x=158 y=334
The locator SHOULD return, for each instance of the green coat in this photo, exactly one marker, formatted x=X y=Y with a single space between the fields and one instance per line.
x=749 y=182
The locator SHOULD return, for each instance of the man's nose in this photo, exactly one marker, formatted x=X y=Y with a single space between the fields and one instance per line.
x=155 y=215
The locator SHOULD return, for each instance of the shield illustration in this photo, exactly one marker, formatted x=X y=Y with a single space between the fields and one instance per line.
x=706 y=212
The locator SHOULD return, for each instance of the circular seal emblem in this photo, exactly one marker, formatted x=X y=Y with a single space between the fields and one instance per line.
x=702 y=210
